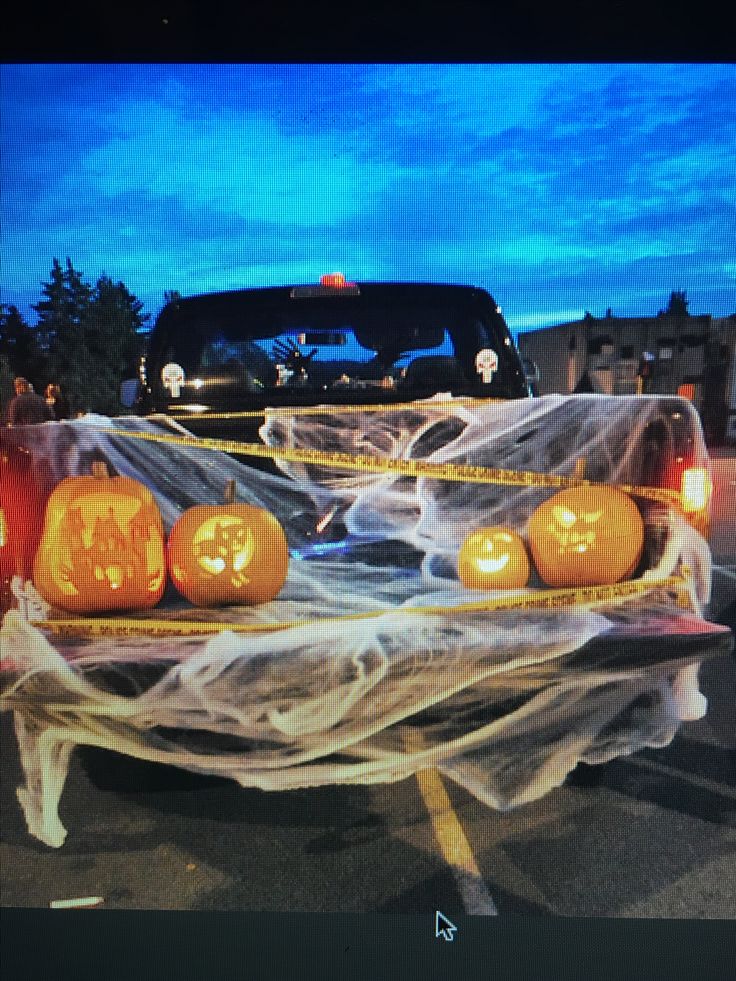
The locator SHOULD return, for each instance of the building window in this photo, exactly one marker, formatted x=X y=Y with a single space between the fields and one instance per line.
x=601 y=346
x=694 y=340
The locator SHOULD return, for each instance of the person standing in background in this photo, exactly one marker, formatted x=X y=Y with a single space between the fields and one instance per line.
x=58 y=403
x=27 y=408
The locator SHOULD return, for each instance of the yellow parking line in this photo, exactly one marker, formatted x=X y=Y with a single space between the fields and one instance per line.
x=448 y=831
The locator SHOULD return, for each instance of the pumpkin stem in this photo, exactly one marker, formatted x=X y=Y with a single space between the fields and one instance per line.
x=580 y=468
x=99 y=469
x=229 y=494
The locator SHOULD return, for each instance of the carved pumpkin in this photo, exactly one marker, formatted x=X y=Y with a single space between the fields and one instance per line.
x=493 y=558
x=102 y=546
x=586 y=536
x=23 y=494
x=228 y=553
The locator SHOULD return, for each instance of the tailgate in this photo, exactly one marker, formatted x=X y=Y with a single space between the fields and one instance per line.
x=656 y=645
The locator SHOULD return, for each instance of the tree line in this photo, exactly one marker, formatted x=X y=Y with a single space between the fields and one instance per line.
x=87 y=339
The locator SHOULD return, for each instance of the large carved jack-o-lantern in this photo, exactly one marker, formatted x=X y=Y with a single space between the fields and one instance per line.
x=102 y=546
x=586 y=536
x=228 y=553
x=493 y=558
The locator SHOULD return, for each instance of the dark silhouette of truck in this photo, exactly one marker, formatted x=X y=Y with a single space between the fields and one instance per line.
x=333 y=343
x=213 y=359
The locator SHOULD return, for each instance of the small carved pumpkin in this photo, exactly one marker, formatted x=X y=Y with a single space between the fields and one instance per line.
x=102 y=546
x=493 y=558
x=586 y=536
x=228 y=553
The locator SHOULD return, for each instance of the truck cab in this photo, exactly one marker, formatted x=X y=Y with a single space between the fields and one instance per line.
x=331 y=343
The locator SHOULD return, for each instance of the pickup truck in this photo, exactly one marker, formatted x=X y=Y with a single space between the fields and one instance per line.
x=334 y=343
x=381 y=424
x=213 y=359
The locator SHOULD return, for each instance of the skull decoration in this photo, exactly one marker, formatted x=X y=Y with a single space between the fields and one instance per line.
x=586 y=536
x=102 y=546
x=228 y=553
x=172 y=376
x=486 y=364
x=493 y=558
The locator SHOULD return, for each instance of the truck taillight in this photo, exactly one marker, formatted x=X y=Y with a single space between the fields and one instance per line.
x=694 y=485
x=695 y=490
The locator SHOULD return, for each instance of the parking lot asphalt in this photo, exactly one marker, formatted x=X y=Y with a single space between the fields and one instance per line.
x=649 y=835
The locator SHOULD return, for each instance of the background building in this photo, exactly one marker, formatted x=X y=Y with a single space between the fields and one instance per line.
x=672 y=353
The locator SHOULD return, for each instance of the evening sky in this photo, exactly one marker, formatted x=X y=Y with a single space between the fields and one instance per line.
x=560 y=188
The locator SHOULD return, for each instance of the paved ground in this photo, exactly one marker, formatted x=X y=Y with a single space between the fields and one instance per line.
x=651 y=835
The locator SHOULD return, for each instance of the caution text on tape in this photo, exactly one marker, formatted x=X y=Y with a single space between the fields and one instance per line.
x=362 y=463
x=544 y=600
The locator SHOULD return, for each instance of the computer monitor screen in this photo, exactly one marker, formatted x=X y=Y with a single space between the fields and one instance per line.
x=368 y=454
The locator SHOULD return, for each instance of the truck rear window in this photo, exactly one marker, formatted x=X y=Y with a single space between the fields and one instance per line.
x=268 y=353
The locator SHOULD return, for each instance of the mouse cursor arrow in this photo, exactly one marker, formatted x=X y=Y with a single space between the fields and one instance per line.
x=443 y=927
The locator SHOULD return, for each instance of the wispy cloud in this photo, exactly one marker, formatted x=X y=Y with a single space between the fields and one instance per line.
x=560 y=188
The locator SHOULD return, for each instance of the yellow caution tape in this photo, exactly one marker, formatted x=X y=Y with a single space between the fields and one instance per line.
x=406 y=468
x=552 y=599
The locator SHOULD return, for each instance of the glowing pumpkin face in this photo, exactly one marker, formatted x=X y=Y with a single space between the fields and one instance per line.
x=230 y=553
x=493 y=558
x=102 y=546
x=586 y=536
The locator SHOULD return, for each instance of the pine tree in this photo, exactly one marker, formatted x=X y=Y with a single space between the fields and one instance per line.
x=6 y=386
x=113 y=320
x=62 y=311
x=19 y=347
x=91 y=335
x=678 y=304
x=61 y=316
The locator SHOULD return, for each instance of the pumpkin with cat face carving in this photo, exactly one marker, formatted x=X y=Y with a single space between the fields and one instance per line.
x=227 y=553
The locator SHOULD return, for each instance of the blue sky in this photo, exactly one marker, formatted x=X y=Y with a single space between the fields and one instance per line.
x=560 y=188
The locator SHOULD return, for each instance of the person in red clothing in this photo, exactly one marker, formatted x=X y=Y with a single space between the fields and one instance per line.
x=27 y=407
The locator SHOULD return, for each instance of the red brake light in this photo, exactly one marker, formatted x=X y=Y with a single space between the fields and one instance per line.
x=334 y=280
x=331 y=284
